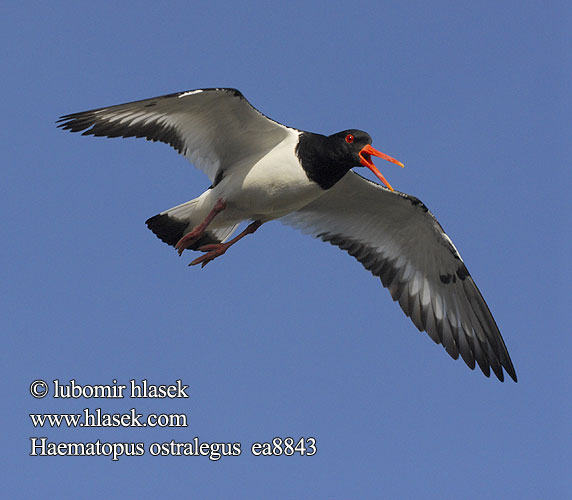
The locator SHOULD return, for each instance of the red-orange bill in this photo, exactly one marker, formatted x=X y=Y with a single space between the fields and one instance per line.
x=365 y=156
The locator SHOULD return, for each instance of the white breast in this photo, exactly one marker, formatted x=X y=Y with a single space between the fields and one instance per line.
x=274 y=186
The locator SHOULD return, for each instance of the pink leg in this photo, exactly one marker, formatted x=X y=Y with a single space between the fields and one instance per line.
x=214 y=251
x=189 y=238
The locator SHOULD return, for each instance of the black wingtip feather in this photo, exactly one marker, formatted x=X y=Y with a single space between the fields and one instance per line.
x=490 y=355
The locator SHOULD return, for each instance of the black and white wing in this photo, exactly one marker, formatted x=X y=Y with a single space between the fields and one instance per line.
x=213 y=128
x=395 y=237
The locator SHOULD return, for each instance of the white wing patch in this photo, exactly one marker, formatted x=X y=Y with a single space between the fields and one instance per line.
x=190 y=92
x=448 y=240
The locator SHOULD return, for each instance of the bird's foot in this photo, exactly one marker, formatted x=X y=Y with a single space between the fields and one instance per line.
x=217 y=249
x=188 y=239
x=212 y=252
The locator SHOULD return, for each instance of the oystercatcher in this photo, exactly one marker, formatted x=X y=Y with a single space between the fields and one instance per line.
x=261 y=170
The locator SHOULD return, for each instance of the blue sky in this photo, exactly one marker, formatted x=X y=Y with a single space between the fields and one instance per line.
x=285 y=335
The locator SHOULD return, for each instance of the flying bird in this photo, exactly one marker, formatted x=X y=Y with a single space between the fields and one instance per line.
x=261 y=170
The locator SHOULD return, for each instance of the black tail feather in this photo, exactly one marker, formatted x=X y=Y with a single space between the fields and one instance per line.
x=171 y=230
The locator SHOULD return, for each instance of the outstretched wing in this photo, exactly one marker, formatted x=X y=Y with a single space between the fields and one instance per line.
x=395 y=237
x=213 y=128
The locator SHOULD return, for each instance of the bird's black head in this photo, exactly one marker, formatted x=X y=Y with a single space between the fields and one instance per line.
x=358 y=146
x=326 y=159
x=348 y=144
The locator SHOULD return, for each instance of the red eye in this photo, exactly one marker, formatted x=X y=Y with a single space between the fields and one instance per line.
x=349 y=138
